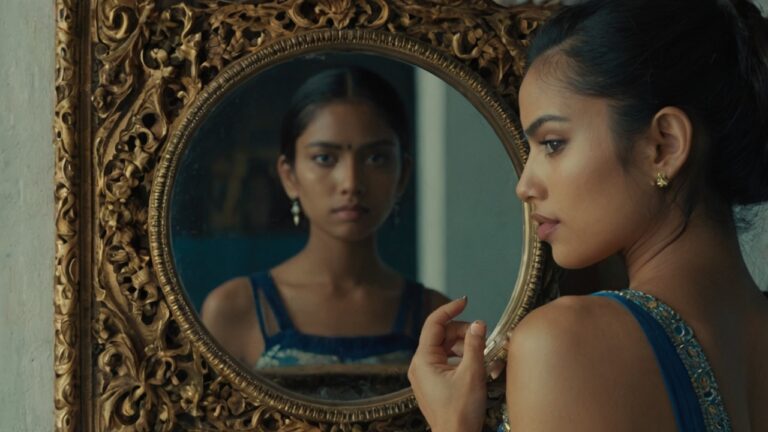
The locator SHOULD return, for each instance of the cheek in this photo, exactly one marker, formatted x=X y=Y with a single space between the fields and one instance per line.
x=312 y=185
x=598 y=211
x=385 y=181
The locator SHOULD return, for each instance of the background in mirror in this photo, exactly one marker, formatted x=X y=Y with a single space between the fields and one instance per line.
x=229 y=214
x=470 y=222
x=459 y=229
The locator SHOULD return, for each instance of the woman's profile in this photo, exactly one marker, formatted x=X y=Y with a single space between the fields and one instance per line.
x=344 y=161
x=646 y=124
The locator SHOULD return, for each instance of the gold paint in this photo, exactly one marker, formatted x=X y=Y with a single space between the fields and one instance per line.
x=150 y=67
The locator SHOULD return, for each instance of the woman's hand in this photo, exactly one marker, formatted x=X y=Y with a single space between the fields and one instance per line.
x=451 y=396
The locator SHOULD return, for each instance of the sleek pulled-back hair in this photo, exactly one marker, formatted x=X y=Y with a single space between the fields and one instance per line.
x=707 y=57
x=343 y=84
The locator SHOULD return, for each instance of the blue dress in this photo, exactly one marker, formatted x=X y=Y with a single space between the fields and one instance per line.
x=290 y=347
x=688 y=377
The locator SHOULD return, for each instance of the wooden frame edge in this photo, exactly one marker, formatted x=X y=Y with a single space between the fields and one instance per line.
x=68 y=200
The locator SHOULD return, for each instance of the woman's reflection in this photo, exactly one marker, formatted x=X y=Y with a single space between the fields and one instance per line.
x=345 y=160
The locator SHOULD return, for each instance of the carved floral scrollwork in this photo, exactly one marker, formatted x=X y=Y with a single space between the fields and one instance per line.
x=67 y=297
x=152 y=59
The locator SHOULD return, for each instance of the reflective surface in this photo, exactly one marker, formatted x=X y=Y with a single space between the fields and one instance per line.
x=457 y=228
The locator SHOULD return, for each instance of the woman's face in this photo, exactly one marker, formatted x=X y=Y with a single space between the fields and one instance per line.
x=347 y=173
x=587 y=205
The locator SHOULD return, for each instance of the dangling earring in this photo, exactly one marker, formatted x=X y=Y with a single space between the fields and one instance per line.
x=296 y=212
x=662 y=181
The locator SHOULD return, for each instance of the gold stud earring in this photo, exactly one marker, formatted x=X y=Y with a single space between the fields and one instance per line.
x=296 y=211
x=662 y=181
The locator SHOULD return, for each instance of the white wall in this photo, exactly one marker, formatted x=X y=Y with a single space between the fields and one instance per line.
x=26 y=215
x=754 y=247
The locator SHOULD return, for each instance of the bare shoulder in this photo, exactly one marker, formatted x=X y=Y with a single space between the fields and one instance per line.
x=229 y=314
x=433 y=299
x=563 y=326
x=582 y=363
x=231 y=300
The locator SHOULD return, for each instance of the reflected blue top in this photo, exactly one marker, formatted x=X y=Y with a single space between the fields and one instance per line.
x=290 y=347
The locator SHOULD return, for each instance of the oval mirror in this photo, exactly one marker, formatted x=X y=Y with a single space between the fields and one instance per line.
x=455 y=229
x=316 y=207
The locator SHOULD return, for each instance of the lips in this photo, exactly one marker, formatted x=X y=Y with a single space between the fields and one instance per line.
x=350 y=212
x=546 y=226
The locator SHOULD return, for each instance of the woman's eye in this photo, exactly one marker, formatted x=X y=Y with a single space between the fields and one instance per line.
x=378 y=159
x=553 y=146
x=323 y=159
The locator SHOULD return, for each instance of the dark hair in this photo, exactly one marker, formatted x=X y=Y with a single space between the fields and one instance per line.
x=706 y=57
x=349 y=83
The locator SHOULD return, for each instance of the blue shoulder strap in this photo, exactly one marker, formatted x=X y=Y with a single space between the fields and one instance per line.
x=685 y=403
x=402 y=309
x=410 y=301
x=263 y=281
x=418 y=309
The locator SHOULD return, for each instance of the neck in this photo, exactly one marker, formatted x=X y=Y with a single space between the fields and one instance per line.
x=340 y=262
x=697 y=264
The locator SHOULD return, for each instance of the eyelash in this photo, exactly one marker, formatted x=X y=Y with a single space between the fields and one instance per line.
x=378 y=158
x=317 y=159
x=553 y=146
x=375 y=159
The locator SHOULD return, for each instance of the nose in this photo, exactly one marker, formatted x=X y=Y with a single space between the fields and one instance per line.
x=350 y=174
x=529 y=186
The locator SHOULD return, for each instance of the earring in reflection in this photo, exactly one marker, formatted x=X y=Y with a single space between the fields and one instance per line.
x=662 y=181
x=296 y=211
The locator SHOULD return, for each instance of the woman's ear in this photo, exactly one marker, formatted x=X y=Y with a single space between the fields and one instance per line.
x=287 y=177
x=669 y=147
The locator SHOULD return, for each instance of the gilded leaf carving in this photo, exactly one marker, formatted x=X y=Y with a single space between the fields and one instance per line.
x=67 y=295
x=151 y=60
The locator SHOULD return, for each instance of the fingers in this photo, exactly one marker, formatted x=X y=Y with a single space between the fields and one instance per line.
x=454 y=336
x=434 y=331
x=474 y=347
x=496 y=368
x=457 y=349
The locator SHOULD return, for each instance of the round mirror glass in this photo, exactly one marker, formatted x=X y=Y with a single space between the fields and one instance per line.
x=326 y=205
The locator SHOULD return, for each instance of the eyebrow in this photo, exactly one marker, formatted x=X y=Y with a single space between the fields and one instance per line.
x=539 y=122
x=336 y=146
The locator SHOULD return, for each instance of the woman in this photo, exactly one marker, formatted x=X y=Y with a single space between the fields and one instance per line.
x=646 y=124
x=344 y=162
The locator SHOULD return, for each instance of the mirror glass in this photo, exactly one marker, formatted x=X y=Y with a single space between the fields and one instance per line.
x=325 y=205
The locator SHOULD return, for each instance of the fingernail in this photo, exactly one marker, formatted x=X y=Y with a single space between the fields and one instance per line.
x=477 y=328
x=463 y=298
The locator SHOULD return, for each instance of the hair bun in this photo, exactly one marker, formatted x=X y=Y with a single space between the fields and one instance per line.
x=750 y=173
x=752 y=38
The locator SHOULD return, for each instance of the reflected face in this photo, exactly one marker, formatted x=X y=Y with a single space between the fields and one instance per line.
x=347 y=173
x=586 y=204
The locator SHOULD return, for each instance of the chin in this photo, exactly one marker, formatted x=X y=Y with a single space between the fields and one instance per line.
x=571 y=259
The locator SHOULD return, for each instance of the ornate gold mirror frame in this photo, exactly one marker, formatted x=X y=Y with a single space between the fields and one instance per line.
x=132 y=77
